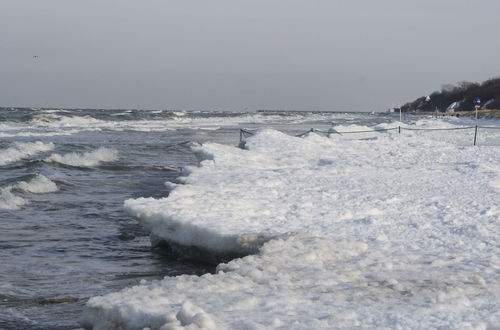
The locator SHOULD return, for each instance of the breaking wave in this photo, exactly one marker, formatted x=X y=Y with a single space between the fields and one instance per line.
x=86 y=159
x=20 y=150
x=39 y=184
x=9 y=201
x=72 y=121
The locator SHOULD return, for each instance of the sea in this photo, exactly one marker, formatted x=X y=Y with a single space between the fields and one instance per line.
x=64 y=175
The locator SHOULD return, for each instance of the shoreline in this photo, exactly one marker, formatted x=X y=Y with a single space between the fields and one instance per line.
x=483 y=114
x=354 y=245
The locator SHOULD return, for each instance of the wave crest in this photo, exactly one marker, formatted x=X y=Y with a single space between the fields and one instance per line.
x=40 y=184
x=86 y=159
x=65 y=121
x=9 y=201
x=20 y=150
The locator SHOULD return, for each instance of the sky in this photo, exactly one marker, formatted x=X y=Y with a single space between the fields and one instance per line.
x=235 y=55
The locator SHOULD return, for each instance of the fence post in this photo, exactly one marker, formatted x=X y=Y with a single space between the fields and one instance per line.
x=241 y=135
x=399 y=129
x=475 y=135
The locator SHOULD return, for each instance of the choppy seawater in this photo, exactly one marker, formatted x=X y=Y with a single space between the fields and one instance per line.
x=61 y=244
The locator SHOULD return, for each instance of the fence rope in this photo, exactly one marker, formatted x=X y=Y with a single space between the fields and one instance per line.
x=370 y=131
x=244 y=133
x=488 y=127
x=437 y=129
x=180 y=144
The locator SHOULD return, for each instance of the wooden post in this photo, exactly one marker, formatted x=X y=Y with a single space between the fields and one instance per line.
x=475 y=135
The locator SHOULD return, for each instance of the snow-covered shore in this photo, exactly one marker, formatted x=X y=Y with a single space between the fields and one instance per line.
x=387 y=230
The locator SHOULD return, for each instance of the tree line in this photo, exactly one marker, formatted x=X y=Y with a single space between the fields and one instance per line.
x=459 y=97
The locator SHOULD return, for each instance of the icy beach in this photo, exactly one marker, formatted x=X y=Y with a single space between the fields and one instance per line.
x=385 y=230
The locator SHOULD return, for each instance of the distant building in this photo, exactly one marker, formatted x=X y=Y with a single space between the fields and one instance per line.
x=454 y=106
x=487 y=104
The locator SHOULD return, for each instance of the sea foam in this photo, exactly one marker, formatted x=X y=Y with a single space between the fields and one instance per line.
x=20 y=150
x=40 y=184
x=86 y=159
x=9 y=201
x=65 y=121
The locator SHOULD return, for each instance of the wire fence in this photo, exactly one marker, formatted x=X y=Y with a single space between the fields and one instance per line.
x=245 y=133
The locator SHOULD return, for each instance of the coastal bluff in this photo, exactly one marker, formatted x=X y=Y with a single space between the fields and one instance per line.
x=459 y=97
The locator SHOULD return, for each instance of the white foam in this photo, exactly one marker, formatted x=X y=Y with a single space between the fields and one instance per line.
x=87 y=159
x=46 y=119
x=66 y=121
x=9 y=201
x=21 y=150
x=394 y=232
x=25 y=133
x=180 y=120
x=16 y=129
x=40 y=184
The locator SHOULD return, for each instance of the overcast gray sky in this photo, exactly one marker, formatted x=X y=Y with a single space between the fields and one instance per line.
x=237 y=54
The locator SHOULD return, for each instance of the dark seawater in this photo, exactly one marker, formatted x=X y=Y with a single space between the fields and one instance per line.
x=59 y=248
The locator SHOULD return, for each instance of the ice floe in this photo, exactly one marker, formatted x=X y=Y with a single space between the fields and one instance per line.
x=395 y=231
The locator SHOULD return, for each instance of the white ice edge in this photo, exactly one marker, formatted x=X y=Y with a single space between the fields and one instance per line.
x=394 y=230
x=173 y=230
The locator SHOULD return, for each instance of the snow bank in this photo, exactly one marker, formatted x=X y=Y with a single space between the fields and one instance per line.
x=87 y=159
x=390 y=231
x=20 y=150
x=303 y=282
